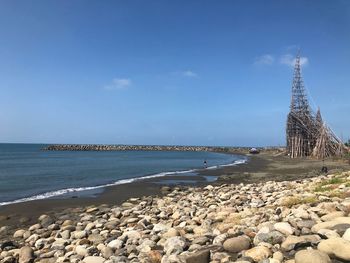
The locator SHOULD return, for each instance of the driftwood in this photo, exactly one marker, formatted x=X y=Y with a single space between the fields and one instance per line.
x=307 y=134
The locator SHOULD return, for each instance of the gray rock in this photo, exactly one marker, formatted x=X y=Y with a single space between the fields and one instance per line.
x=200 y=240
x=45 y=221
x=340 y=228
x=236 y=244
x=175 y=245
x=273 y=237
x=198 y=257
x=305 y=223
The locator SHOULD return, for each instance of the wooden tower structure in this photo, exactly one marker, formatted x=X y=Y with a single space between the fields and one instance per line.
x=307 y=134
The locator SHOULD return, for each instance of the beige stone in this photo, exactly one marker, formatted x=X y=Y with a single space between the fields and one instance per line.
x=337 y=246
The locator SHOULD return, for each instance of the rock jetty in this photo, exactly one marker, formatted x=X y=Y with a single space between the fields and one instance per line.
x=100 y=147
x=304 y=221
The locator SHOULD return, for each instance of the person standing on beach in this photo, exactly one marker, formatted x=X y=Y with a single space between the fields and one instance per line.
x=205 y=164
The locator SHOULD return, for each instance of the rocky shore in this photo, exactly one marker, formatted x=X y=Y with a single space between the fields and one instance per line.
x=303 y=221
x=100 y=147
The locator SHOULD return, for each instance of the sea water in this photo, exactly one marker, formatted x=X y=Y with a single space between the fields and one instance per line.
x=29 y=173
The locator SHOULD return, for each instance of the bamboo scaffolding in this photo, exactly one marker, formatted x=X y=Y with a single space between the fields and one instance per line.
x=307 y=134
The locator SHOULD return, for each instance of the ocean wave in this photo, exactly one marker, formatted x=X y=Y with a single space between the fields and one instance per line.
x=119 y=182
x=240 y=161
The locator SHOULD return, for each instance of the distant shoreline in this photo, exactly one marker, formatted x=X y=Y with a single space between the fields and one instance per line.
x=122 y=147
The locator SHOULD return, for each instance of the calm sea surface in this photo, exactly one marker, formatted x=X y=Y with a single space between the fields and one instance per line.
x=28 y=173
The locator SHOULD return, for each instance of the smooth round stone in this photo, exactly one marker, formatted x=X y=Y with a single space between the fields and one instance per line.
x=311 y=256
x=89 y=226
x=337 y=247
x=328 y=233
x=284 y=228
x=278 y=256
x=19 y=233
x=198 y=257
x=331 y=216
x=293 y=241
x=172 y=232
x=116 y=244
x=80 y=234
x=81 y=251
x=236 y=244
x=92 y=209
x=26 y=255
x=107 y=252
x=200 y=240
x=93 y=259
x=258 y=253
x=346 y=235
x=67 y=223
x=96 y=238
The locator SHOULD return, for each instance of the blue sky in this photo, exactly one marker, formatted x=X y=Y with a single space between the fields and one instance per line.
x=168 y=72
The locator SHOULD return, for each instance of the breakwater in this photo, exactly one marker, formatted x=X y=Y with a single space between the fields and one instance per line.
x=99 y=147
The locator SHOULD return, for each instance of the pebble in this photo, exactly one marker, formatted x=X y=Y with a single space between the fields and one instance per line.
x=215 y=224
x=337 y=247
x=236 y=244
x=26 y=255
x=258 y=253
x=284 y=228
x=94 y=259
x=346 y=235
x=311 y=256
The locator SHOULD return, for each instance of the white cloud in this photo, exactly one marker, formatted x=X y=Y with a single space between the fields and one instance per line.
x=189 y=73
x=264 y=60
x=118 y=84
x=289 y=60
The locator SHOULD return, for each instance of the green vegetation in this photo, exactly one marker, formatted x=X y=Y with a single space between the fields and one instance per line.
x=321 y=188
x=330 y=184
x=335 y=180
x=295 y=200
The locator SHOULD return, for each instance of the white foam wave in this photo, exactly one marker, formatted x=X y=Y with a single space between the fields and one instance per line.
x=79 y=189
x=119 y=182
x=240 y=161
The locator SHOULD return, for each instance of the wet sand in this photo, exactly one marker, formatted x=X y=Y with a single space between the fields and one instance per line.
x=268 y=167
x=259 y=168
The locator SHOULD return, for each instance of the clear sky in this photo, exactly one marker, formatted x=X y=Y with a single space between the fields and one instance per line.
x=168 y=72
